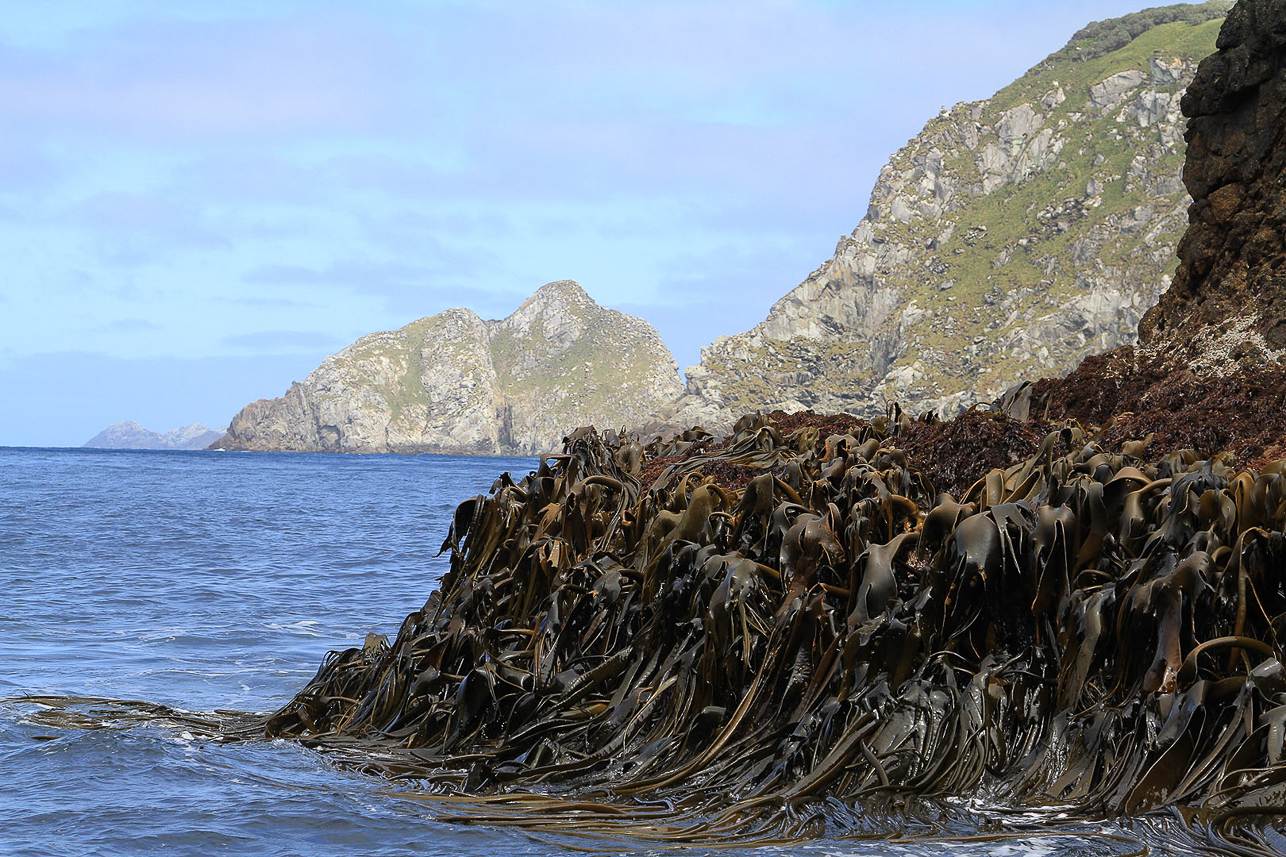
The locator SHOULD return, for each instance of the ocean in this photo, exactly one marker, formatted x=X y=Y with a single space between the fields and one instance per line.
x=217 y=581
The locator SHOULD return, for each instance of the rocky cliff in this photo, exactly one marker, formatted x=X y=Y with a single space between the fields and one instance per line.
x=131 y=435
x=1232 y=255
x=455 y=383
x=1011 y=238
x=1209 y=370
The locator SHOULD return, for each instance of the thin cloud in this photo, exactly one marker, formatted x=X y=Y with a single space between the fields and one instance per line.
x=267 y=302
x=281 y=340
x=138 y=223
x=361 y=276
x=403 y=285
x=24 y=168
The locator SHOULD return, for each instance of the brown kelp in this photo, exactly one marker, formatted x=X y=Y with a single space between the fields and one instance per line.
x=785 y=616
x=1077 y=600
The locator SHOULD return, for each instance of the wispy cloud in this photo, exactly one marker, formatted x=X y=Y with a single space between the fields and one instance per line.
x=24 y=167
x=132 y=228
x=281 y=340
x=418 y=288
x=267 y=302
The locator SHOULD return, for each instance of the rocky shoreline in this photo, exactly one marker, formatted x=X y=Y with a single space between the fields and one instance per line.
x=1009 y=239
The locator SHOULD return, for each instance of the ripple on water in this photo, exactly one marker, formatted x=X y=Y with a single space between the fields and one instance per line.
x=218 y=582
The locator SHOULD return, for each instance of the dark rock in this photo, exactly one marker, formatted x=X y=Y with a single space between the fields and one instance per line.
x=1210 y=368
x=1231 y=256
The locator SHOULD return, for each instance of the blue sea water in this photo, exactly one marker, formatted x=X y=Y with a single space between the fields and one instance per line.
x=209 y=581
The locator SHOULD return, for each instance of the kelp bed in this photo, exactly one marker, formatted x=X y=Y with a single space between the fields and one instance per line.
x=785 y=621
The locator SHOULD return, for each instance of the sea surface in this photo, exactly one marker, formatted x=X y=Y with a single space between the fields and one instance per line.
x=217 y=581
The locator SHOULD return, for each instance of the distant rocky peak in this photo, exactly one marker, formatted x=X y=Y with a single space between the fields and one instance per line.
x=559 y=312
x=566 y=290
x=462 y=315
x=131 y=435
x=558 y=296
x=456 y=383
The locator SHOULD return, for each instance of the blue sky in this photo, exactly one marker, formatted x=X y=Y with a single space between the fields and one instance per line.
x=200 y=201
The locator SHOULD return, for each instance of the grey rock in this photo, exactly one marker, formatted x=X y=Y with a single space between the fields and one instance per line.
x=960 y=280
x=1106 y=94
x=454 y=383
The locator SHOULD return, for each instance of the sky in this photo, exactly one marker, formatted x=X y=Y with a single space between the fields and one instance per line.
x=200 y=201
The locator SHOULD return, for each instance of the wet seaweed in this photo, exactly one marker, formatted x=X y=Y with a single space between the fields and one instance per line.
x=629 y=628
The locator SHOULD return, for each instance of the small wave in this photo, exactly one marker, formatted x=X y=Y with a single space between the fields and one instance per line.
x=304 y=627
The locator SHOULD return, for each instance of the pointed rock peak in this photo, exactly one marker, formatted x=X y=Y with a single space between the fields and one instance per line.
x=569 y=288
x=457 y=313
x=559 y=299
x=560 y=292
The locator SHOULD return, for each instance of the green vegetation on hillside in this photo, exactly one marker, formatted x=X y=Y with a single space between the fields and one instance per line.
x=1104 y=37
x=1028 y=230
x=1076 y=74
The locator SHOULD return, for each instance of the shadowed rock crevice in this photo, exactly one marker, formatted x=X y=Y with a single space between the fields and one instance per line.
x=1231 y=259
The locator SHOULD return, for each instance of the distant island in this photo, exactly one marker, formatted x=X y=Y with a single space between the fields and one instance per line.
x=131 y=435
x=457 y=384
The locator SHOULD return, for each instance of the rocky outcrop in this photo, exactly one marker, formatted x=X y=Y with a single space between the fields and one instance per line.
x=1210 y=367
x=1011 y=238
x=1232 y=255
x=131 y=435
x=1091 y=630
x=455 y=383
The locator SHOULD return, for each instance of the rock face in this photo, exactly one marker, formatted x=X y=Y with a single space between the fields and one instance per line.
x=1210 y=367
x=455 y=383
x=131 y=435
x=1231 y=259
x=1011 y=238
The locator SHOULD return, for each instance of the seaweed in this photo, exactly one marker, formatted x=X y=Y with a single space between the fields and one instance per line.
x=1241 y=413
x=629 y=635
